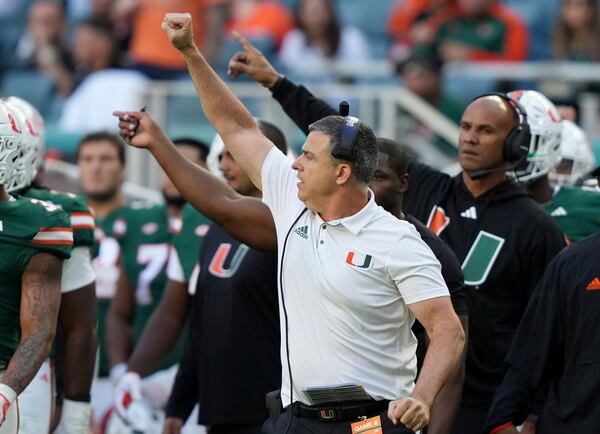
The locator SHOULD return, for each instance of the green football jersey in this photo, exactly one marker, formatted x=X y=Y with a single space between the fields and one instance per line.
x=144 y=255
x=576 y=211
x=187 y=241
x=105 y=254
x=82 y=219
x=137 y=235
x=27 y=226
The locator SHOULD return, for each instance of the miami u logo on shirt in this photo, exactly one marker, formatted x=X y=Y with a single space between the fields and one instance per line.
x=481 y=258
x=359 y=260
x=217 y=263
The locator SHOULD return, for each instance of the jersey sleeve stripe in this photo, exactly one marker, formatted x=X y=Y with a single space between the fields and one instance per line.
x=54 y=236
x=53 y=242
x=81 y=220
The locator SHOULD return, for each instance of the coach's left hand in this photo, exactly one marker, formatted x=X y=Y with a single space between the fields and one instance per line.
x=410 y=411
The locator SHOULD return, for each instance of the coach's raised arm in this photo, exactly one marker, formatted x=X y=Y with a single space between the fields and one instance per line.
x=225 y=112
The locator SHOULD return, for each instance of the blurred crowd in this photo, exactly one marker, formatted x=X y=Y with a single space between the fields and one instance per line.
x=55 y=48
x=528 y=188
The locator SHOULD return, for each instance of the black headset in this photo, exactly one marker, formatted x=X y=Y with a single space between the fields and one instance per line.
x=516 y=144
x=345 y=148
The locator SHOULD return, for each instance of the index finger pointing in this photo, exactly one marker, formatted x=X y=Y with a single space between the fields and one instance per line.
x=243 y=41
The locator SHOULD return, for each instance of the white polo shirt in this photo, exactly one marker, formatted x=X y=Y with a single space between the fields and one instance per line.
x=346 y=285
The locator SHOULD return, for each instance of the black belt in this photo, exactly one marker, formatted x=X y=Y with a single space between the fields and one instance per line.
x=341 y=412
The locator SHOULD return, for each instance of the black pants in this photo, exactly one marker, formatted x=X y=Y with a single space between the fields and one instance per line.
x=304 y=425
x=235 y=429
x=469 y=420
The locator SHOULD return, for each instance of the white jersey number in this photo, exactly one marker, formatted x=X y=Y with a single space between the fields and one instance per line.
x=154 y=257
x=106 y=266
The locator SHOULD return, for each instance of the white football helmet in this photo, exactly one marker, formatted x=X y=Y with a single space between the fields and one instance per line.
x=32 y=141
x=546 y=128
x=576 y=156
x=10 y=145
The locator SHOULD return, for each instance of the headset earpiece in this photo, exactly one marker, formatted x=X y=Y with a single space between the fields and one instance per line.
x=516 y=146
x=344 y=108
x=345 y=149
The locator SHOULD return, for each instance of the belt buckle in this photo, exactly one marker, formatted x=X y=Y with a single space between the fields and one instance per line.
x=328 y=415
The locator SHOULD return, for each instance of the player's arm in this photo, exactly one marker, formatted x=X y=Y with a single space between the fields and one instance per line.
x=40 y=301
x=443 y=354
x=162 y=330
x=446 y=404
x=244 y=218
x=299 y=104
x=159 y=337
x=224 y=110
x=119 y=320
x=77 y=319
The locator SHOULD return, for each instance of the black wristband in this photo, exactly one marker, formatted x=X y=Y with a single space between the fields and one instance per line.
x=277 y=84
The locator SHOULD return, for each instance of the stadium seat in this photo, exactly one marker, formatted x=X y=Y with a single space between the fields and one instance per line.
x=204 y=133
x=290 y=4
x=32 y=86
x=12 y=25
x=9 y=37
x=465 y=86
x=371 y=18
x=596 y=147
x=540 y=17
x=184 y=111
x=63 y=142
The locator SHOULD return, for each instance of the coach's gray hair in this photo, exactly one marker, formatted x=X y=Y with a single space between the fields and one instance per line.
x=364 y=153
